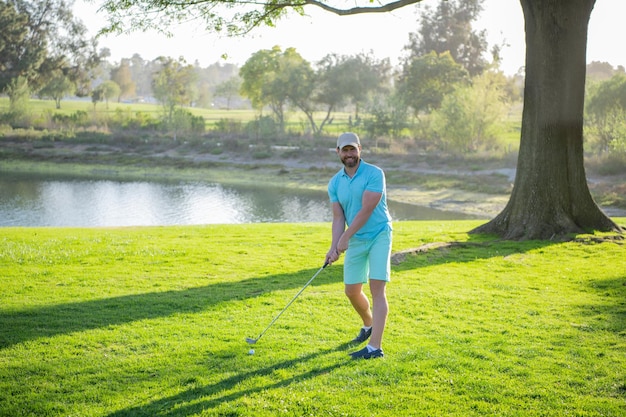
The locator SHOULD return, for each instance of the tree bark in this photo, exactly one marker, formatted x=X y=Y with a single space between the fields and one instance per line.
x=550 y=196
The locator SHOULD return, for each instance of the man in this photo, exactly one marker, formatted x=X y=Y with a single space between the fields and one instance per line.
x=359 y=201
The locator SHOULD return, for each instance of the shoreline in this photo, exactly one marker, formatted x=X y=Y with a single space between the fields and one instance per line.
x=405 y=177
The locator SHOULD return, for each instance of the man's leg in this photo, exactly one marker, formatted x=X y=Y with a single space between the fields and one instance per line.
x=380 y=311
x=360 y=302
x=380 y=274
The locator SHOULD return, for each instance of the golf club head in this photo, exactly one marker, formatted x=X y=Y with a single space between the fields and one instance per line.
x=251 y=341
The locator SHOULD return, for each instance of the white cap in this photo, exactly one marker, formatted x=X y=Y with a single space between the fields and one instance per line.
x=348 y=138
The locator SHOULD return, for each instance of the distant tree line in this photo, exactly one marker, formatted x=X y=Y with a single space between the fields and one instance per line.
x=444 y=92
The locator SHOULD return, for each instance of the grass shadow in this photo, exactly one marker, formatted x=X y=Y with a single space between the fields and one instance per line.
x=609 y=315
x=47 y=321
x=476 y=248
x=198 y=399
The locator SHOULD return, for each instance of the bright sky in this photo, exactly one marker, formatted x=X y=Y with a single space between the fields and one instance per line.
x=385 y=34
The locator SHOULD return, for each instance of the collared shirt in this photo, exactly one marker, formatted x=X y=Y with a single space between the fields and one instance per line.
x=348 y=192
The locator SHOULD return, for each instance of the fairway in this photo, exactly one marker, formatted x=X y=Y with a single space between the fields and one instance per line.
x=153 y=321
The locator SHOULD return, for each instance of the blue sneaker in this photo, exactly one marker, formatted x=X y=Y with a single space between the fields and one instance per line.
x=362 y=336
x=365 y=354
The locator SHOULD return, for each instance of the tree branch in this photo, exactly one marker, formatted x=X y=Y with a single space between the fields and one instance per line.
x=384 y=8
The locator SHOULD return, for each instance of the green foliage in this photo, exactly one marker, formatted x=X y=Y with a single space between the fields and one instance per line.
x=607 y=95
x=106 y=91
x=174 y=86
x=260 y=75
x=151 y=321
x=45 y=39
x=14 y=26
x=281 y=80
x=471 y=117
x=426 y=80
x=389 y=117
x=606 y=116
x=122 y=76
x=238 y=18
x=448 y=29
x=125 y=119
x=143 y=121
x=264 y=127
x=18 y=91
x=57 y=88
x=228 y=126
x=357 y=80
x=228 y=89
x=183 y=122
x=71 y=121
x=297 y=79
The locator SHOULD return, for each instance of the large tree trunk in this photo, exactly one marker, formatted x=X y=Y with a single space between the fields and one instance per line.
x=550 y=196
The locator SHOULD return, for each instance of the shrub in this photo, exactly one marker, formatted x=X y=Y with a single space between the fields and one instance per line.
x=264 y=127
x=229 y=126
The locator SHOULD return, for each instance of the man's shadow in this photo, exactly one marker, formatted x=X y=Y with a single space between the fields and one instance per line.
x=194 y=400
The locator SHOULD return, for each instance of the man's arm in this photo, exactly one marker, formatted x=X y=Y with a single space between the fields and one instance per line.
x=338 y=227
x=369 y=203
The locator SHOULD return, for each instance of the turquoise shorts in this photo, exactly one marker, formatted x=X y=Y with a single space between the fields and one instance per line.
x=368 y=259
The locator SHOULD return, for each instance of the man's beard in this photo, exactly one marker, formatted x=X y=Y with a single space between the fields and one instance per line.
x=350 y=161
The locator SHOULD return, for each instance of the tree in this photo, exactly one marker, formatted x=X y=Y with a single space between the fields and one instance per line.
x=17 y=62
x=368 y=76
x=108 y=91
x=330 y=92
x=141 y=73
x=123 y=78
x=19 y=93
x=228 y=90
x=56 y=40
x=58 y=87
x=97 y=95
x=53 y=40
x=550 y=197
x=296 y=78
x=427 y=79
x=469 y=117
x=13 y=34
x=448 y=28
x=105 y=92
x=600 y=71
x=173 y=85
x=389 y=116
x=259 y=74
x=345 y=79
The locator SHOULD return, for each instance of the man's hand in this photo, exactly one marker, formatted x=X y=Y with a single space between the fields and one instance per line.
x=342 y=245
x=332 y=256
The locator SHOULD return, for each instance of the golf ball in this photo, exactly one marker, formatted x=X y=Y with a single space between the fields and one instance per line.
x=251 y=352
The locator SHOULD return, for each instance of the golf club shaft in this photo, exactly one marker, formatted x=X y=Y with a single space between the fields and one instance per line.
x=292 y=300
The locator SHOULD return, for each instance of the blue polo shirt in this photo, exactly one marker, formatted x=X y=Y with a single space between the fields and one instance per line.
x=348 y=192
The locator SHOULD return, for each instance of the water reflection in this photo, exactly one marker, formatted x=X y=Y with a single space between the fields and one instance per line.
x=28 y=201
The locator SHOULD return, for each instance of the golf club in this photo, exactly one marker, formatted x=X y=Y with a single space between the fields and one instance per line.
x=253 y=341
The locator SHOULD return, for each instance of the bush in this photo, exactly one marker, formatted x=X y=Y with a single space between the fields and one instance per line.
x=264 y=127
x=79 y=118
x=470 y=118
x=229 y=126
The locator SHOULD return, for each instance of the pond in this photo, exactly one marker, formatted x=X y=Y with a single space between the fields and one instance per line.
x=36 y=201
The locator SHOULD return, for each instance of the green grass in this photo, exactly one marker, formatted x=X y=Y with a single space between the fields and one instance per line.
x=294 y=120
x=152 y=321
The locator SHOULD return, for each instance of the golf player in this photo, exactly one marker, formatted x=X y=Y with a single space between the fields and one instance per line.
x=359 y=201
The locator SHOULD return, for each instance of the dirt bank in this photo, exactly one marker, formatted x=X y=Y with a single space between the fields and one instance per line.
x=480 y=187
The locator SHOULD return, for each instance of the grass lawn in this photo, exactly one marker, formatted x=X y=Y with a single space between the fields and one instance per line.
x=152 y=321
x=41 y=109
